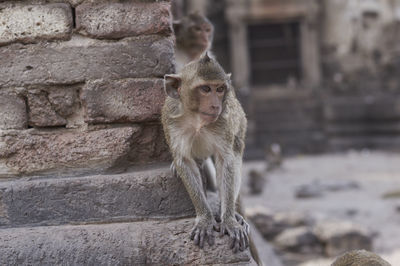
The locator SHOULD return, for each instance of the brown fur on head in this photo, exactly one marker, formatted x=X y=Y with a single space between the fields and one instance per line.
x=201 y=87
x=194 y=34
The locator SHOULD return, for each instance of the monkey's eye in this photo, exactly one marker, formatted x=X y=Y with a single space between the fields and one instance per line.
x=205 y=89
x=208 y=30
x=221 y=89
x=197 y=29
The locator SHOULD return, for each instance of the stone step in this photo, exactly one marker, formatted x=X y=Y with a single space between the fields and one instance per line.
x=140 y=194
x=138 y=243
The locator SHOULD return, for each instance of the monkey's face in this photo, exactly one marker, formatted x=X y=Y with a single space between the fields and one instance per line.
x=210 y=99
x=200 y=36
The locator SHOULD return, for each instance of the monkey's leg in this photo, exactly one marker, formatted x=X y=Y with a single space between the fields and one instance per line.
x=228 y=169
x=210 y=174
x=205 y=223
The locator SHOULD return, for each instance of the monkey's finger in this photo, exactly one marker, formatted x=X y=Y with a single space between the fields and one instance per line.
x=246 y=239
x=193 y=233
x=197 y=237
x=210 y=235
x=222 y=230
x=247 y=227
x=202 y=236
x=236 y=242
x=242 y=241
x=239 y=219
x=217 y=227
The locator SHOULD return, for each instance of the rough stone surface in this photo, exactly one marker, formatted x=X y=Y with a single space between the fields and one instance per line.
x=142 y=243
x=13 y=114
x=339 y=237
x=52 y=106
x=131 y=196
x=129 y=100
x=150 y=146
x=82 y=59
x=41 y=113
x=119 y=20
x=64 y=151
x=29 y=23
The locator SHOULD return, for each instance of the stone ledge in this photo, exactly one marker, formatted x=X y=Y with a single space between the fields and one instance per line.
x=119 y=20
x=140 y=243
x=82 y=59
x=31 y=23
x=143 y=194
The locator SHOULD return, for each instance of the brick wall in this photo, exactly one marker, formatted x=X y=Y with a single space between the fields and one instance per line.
x=81 y=85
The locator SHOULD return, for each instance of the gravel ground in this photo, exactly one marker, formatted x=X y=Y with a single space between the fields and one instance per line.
x=376 y=173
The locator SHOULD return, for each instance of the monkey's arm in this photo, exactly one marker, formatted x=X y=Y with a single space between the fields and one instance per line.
x=205 y=223
x=228 y=171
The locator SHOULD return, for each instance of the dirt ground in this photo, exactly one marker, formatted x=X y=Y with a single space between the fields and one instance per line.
x=376 y=173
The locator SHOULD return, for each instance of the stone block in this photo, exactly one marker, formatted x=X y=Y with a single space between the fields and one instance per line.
x=129 y=100
x=82 y=59
x=52 y=106
x=141 y=194
x=13 y=113
x=126 y=19
x=140 y=243
x=30 y=23
x=65 y=151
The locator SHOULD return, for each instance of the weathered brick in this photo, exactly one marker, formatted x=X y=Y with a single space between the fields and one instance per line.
x=128 y=100
x=52 y=106
x=41 y=113
x=30 y=23
x=64 y=151
x=82 y=59
x=12 y=111
x=119 y=20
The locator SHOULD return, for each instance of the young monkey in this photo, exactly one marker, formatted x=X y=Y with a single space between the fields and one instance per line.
x=202 y=118
x=194 y=34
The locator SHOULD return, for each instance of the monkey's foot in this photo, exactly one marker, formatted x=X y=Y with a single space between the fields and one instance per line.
x=237 y=233
x=242 y=222
x=204 y=228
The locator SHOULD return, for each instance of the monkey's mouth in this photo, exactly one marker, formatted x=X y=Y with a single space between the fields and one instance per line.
x=210 y=115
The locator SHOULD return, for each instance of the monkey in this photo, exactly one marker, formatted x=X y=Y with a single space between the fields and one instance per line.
x=273 y=155
x=194 y=34
x=360 y=258
x=202 y=118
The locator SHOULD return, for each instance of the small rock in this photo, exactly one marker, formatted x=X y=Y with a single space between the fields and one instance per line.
x=317 y=188
x=309 y=191
x=299 y=240
x=256 y=182
x=270 y=224
x=351 y=212
x=339 y=237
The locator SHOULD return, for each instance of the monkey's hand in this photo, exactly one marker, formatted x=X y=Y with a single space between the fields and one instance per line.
x=237 y=233
x=204 y=228
x=243 y=222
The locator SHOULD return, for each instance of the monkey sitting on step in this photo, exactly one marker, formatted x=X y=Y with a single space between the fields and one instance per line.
x=194 y=34
x=202 y=118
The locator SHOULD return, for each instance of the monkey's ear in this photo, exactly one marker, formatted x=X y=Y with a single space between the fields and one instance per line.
x=172 y=83
x=177 y=25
